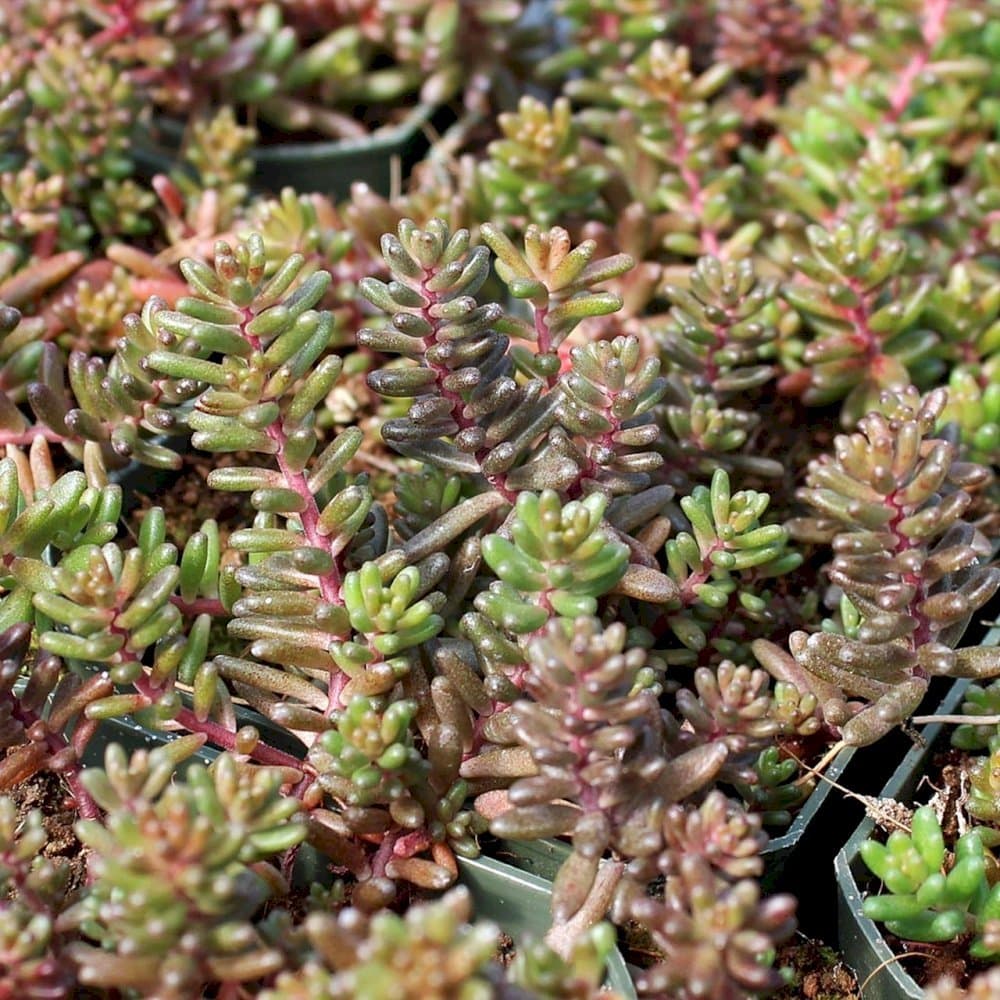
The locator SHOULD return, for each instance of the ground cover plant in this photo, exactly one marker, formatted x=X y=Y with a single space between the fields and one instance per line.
x=602 y=483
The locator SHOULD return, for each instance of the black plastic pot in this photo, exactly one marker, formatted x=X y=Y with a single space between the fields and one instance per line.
x=882 y=974
x=805 y=829
x=326 y=167
x=543 y=857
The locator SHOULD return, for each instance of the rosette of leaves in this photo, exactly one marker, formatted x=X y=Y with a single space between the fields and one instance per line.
x=260 y=397
x=64 y=513
x=734 y=704
x=719 y=342
x=720 y=568
x=539 y=172
x=557 y=562
x=601 y=772
x=967 y=315
x=775 y=788
x=436 y=950
x=611 y=392
x=370 y=649
x=369 y=762
x=983 y=801
x=865 y=315
x=737 y=706
x=207 y=193
x=923 y=902
x=714 y=934
x=891 y=500
x=309 y=225
x=180 y=870
x=112 y=411
x=559 y=282
x=422 y=497
x=840 y=172
x=719 y=831
x=978 y=700
x=711 y=920
x=105 y=606
x=975 y=409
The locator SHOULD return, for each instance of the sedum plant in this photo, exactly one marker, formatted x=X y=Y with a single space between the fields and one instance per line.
x=527 y=517
x=924 y=904
x=912 y=571
x=405 y=664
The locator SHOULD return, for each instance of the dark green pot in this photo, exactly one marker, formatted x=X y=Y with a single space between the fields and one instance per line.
x=865 y=950
x=806 y=831
x=544 y=857
x=520 y=903
x=325 y=167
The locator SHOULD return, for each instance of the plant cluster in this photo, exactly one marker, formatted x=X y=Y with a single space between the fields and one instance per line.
x=520 y=511
x=924 y=903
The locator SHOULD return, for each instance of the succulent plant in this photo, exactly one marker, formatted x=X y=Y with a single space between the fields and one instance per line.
x=923 y=903
x=891 y=501
x=527 y=516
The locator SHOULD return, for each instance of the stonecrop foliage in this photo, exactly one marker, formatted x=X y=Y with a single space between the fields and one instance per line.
x=519 y=507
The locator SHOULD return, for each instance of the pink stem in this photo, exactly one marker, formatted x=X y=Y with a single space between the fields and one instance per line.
x=199 y=606
x=329 y=583
x=220 y=735
x=682 y=150
x=27 y=437
x=56 y=742
x=935 y=12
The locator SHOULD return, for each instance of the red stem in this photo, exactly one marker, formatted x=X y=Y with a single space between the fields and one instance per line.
x=56 y=742
x=199 y=606
x=220 y=735
x=935 y=12
x=682 y=150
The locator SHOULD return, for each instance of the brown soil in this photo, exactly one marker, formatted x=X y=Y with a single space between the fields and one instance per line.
x=506 y=950
x=187 y=501
x=819 y=972
x=47 y=792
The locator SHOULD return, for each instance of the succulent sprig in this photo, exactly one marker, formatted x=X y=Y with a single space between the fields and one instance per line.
x=924 y=903
x=866 y=315
x=601 y=771
x=215 y=831
x=891 y=501
x=721 y=567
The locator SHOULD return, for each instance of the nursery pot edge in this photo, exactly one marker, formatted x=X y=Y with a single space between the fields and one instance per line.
x=864 y=948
